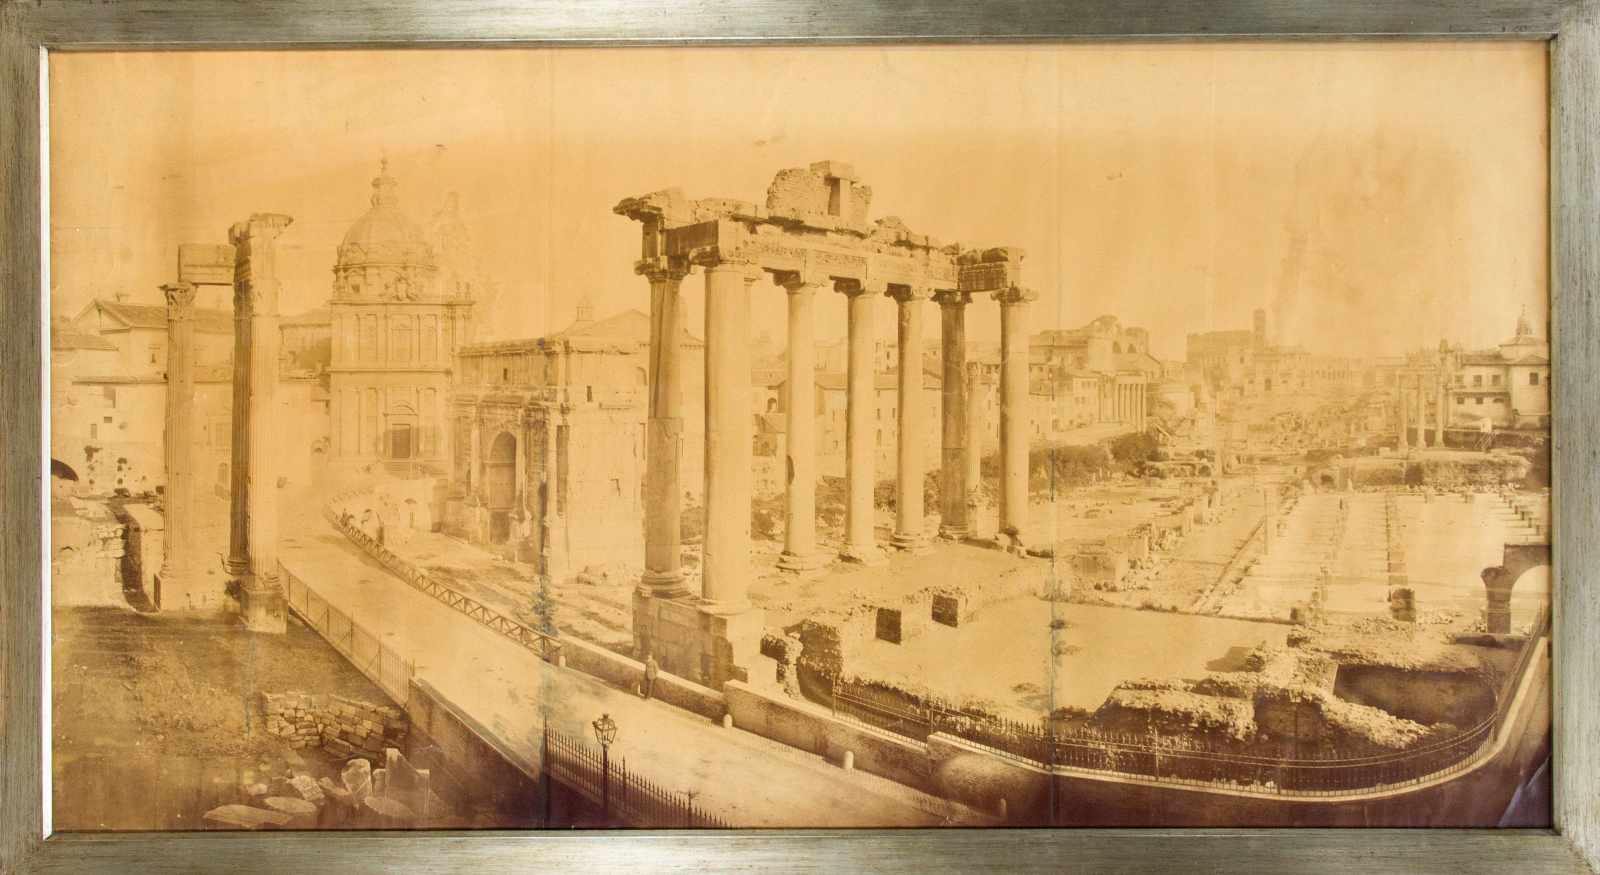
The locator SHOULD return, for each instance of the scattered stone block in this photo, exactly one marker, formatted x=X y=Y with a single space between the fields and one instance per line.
x=389 y=812
x=335 y=792
x=307 y=787
x=244 y=817
x=357 y=777
x=295 y=808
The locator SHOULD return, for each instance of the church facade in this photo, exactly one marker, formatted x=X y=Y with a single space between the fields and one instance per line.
x=401 y=307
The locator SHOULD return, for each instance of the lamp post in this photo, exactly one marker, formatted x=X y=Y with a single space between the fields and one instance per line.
x=605 y=731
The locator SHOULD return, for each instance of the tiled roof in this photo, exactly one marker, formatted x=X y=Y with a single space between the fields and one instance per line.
x=629 y=325
x=206 y=319
x=63 y=337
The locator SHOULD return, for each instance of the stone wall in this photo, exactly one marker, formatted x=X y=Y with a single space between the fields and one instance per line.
x=813 y=729
x=341 y=726
x=145 y=550
x=86 y=555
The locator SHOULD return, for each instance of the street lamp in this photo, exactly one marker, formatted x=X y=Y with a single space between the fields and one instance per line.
x=605 y=731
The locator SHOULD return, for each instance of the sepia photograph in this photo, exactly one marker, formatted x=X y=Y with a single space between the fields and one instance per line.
x=1137 y=435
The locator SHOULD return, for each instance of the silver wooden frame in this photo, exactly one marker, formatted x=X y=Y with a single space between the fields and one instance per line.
x=30 y=29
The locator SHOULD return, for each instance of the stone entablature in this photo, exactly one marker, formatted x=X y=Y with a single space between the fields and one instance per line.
x=812 y=235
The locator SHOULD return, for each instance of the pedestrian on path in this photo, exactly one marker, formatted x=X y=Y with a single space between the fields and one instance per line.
x=651 y=669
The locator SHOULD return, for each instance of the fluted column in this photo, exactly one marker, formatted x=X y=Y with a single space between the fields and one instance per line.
x=179 y=438
x=663 y=545
x=952 y=413
x=725 y=573
x=860 y=435
x=909 y=475
x=256 y=277
x=800 y=506
x=1400 y=407
x=237 y=564
x=1014 y=429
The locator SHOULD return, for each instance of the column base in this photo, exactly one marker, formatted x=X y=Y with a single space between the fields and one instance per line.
x=262 y=607
x=181 y=588
x=708 y=643
x=863 y=555
x=801 y=563
x=955 y=533
x=910 y=542
x=664 y=586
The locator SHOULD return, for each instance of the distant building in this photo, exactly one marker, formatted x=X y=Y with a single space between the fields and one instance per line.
x=548 y=441
x=1237 y=364
x=109 y=389
x=1508 y=384
x=1079 y=375
x=401 y=306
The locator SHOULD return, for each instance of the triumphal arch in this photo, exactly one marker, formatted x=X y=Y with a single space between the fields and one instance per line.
x=812 y=235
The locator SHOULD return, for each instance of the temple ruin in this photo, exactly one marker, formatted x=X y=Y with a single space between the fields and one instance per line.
x=812 y=234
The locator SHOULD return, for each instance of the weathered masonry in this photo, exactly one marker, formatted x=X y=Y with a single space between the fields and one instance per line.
x=813 y=234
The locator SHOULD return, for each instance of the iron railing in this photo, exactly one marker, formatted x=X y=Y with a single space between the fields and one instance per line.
x=1183 y=759
x=545 y=646
x=389 y=670
x=630 y=797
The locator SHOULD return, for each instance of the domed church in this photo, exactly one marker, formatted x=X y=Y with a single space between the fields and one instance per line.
x=400 y=308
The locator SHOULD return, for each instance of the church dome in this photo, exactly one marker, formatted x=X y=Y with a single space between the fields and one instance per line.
x=384 y=235
x=384 y=255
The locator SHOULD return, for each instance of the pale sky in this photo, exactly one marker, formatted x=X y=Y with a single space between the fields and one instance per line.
x=1373 y=197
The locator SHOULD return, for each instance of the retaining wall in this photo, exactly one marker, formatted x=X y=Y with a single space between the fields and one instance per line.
x=815 y=729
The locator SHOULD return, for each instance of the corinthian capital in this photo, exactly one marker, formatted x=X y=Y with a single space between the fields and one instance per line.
x=797 y=281
x=952 y=298
x=180 y=299
x=1015 y=295
x=905 y=294
x=662 y=269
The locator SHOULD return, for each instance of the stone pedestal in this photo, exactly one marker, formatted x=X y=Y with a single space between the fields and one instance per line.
x=262 y=607
x=697 y=640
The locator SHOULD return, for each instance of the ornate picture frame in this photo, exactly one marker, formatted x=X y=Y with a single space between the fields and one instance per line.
x=31 y=32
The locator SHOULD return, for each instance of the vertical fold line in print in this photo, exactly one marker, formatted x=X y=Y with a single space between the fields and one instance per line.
x=1173 y=496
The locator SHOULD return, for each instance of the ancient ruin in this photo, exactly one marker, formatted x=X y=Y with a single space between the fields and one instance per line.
x=475 y=516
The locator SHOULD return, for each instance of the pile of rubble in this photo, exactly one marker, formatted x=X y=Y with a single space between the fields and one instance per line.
x=396 y=795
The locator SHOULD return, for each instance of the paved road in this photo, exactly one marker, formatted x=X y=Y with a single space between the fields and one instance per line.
x=740 y=777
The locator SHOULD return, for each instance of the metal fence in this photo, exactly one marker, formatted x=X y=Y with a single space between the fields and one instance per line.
x=630 y=798
x=390 y=671
x=1181 y=759
x=545 y=646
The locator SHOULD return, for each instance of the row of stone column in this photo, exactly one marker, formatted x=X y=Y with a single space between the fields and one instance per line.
x=252 y=559
x=725 y=562
x=1403 y=401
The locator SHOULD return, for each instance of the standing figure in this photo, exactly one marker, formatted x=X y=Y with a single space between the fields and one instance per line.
x=652 y=669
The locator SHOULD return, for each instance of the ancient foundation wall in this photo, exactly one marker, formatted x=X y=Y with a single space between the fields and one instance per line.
x=473 y=755
x=620 y=671
x=1477 y=797
x=814 y=729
